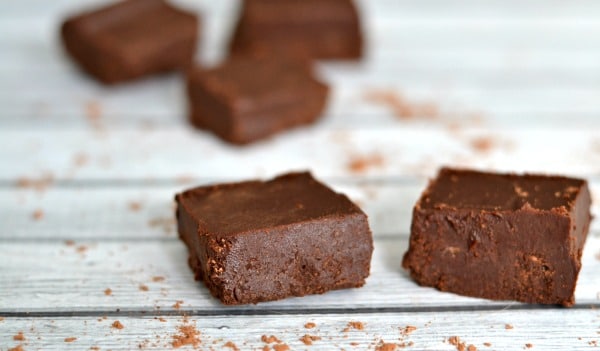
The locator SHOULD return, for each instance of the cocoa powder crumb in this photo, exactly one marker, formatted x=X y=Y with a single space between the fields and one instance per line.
x=482 y=144
x=402 y=108
x=188 y=335
x=37 y=214
x=360 y=164
x=487 y=344
x=158 y=278
x=19 y=336
x=528 y=345
x=143 y=287
x=17 y=348
x=117 y=325
x=593 y=343
x=70 y=339
x=161 y=319
x=354 y=325
x=471 y=347
x=108 y=291
x=94 y=348
x=269 y=339
x=386 y=346
x=266 y=348
x=231 y=345
x=408 y=329
x=69 y=242
x=135 y=206
x=354 y=343
x=1 y=319
x=308 y=339
x=81 y=248
x=177 y=304
x=281 y=347
x=455 y=340
x=310 y=325
x=39 y=184
x=508 y=326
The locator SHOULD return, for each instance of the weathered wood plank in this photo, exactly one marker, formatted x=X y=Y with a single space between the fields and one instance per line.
x=55 y=276
x=133 y=212
x=170 y=153
x=553 y=329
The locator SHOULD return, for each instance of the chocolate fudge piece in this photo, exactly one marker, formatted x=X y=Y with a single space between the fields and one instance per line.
x=131 y=39
x=321 y=29
x=246 y=99
x=259 y=241
x=500 y=236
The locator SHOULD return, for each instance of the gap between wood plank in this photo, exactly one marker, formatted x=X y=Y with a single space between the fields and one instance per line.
x=268 y=311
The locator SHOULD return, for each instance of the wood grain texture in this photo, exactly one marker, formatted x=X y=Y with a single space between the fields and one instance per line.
x=513 y=85
x=556 y=329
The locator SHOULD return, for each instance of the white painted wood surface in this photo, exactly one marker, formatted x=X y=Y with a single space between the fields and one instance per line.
x=99 y=166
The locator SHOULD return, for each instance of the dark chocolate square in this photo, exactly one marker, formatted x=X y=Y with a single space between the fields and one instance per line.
x=246 y=99
x=131 y=39
x=259 y=241
x=321 y=29
x=500 y=236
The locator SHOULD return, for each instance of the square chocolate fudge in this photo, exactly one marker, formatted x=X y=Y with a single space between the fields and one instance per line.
x=500 y=236
x=320 y=29
x=259 y=241
x=131 y=39
x=246 y=99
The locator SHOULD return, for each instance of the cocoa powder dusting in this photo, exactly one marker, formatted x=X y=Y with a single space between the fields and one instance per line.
x=143 y=287
x=177 y=304
x=158 y=278
x=70 y=339
x=17 y=348
x=135 y=206
x=188 y=335
x=487 y=344
x=117 y=325
x=482 y=144
x=508 y=326
x=19 y=336
x=471 y=347
x=408 y=329
x=108 y=292
x=455 y=341
x=310 y=325
x=528 y=345
x=39 y=184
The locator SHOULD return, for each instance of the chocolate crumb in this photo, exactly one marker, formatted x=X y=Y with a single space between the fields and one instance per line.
x=108 y=292
x=471 y=347
x=158 y=278
x=117 y=325
x=188 y=335
x=19 y=336
x=177 y=304
x=266 y=348
x=94 y=348
x=143 y=287
x=70 y=339
x=354 y=343
x=308 y=339
x=161 y=319
x=360 y=164
x=17 y=348
x=281 y=347
x=487 y=344
x=593 y=343
x=269 y=339
x=354 y=325
x=528 y=345
x=37 y=214
x=309 y=325
x=508 y=326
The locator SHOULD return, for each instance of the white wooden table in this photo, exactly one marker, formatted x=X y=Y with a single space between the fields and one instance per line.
x=88 y=174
